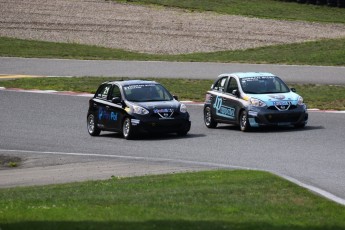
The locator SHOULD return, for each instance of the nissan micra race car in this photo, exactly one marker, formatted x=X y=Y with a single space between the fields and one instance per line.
x=253 y=100
x=135 y=106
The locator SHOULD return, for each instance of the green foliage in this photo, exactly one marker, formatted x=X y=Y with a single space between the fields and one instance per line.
x=12 y=164
x=202 y=200
x=7 y=161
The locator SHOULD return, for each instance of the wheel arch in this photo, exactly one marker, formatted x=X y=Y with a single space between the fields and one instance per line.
x=239 y=115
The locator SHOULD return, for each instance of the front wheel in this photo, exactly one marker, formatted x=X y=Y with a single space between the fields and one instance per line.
x=92 y=125
x=127 y=129
x=244 y=123
x=300 y=126
x=208 y=119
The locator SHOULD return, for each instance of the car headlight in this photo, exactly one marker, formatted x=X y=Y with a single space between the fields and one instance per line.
x=139 y=110
x=257 y=102
x=300 y=101
x=183 y=108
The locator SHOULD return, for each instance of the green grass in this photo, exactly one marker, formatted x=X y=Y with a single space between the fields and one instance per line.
x=316 y=96
x=325 y=52
x=322 y=96
x=257 y=8
x=186 y=89
x=202 y=200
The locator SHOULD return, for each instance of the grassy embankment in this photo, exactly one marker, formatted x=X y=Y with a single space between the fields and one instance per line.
x=203 y=200
x=326 y=52
x=257 y=8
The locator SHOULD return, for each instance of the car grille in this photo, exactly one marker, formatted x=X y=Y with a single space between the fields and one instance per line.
x=275 y=108
x=276 y=118
x=164 y=113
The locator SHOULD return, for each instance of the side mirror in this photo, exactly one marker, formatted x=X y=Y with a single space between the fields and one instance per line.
x=293 y=90
x=116 y=100
x=175 y=97
x=236 y=93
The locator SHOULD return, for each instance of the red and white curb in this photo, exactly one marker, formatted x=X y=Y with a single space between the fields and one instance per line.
x=80 y=94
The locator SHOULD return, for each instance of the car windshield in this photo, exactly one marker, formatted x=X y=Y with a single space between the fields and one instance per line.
x=146 y=92
x=263 y=85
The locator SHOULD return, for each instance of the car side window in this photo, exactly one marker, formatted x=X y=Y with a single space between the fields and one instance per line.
x=115 y=92
x=103 y=92
x=219 y=85
x=232 y=85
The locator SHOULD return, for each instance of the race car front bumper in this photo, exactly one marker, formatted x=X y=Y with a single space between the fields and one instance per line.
x=161 y=125
x=263 y=116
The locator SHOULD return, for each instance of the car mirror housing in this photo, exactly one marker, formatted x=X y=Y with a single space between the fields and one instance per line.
x=175 y=97
x=116 y=100
x=293 y=90
x=236 y=93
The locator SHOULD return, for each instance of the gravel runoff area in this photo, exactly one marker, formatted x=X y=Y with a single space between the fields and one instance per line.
x=149 y=29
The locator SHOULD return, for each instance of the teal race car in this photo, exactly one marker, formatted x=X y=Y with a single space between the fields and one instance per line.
x=253 y=99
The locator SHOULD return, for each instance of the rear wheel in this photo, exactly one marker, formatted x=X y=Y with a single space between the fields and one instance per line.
x=208 y=119
x=244 y=123
x=127 y=129
x=92 y=125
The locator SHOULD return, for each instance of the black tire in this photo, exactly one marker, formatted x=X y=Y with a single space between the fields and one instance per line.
x=244 y=123
x=208 y=119
x=184 y=131
x=92 y=128
x=127 y=129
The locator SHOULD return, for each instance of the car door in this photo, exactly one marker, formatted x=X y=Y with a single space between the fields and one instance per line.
x=114 y=109
x=100 y=103
x=231 y=101
x=217 y=99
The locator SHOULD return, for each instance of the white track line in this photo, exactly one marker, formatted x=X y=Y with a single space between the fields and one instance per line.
x=319 y=191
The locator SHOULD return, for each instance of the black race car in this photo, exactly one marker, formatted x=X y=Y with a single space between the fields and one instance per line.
x=136 y=106
x=252 y=100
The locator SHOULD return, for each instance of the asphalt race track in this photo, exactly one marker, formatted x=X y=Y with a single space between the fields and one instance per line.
x=47 y=123
x=142 y=69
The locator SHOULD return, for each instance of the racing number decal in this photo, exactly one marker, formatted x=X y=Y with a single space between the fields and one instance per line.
x=223 y=111
x=218 y=103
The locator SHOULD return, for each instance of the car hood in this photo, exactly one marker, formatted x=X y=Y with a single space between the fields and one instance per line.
x=271 y=98
x=151 y=105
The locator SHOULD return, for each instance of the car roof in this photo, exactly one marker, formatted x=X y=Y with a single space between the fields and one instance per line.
x=248 y=74
x=130 y=82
